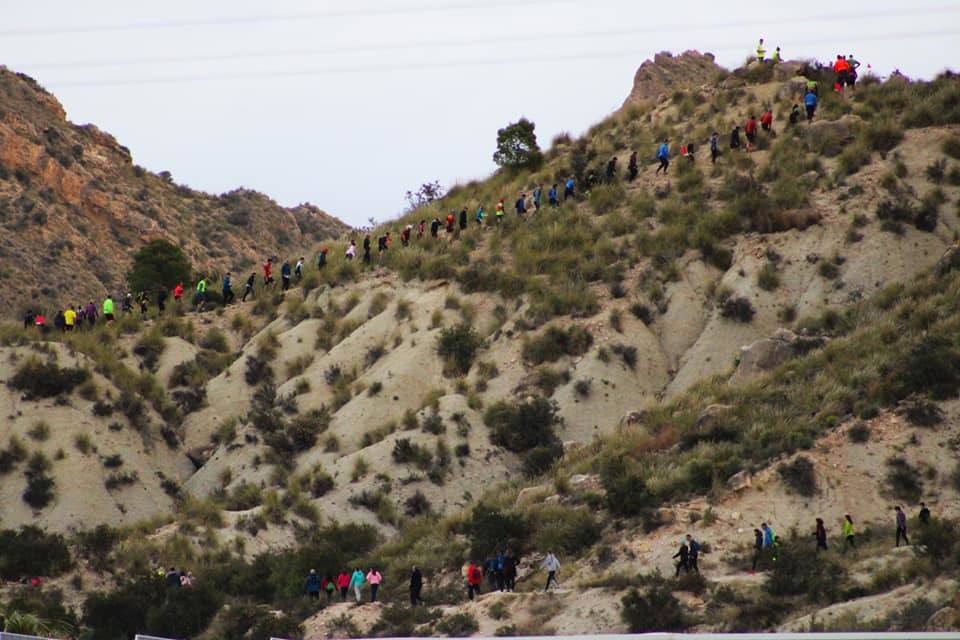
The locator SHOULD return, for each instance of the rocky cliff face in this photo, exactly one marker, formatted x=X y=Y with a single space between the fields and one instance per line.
x=667 y=72
x=74 y=208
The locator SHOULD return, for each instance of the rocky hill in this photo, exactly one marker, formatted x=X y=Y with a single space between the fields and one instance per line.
x=75 y=207
x=768 y=338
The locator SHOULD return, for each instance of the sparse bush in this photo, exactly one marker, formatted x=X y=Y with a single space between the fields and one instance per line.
x=627 y=353
x=522 y=426
x=417 y=505
x=490 y=530
x=737 y=308
x=149 y=348
x=656 y=609
x=904 y=480
x=936 y=170
x=30 y=552
x=767 y=278
x=799 y=476
x=40 y=431
x=798 y=572
x=642 y=312
x=38 y=379
x=859 y=432
x=921 y=412
x=458 y=625
x=555 y=342
x=39 y=492
x=458 y=346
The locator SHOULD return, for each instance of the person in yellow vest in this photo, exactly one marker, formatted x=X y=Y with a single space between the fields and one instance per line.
x=848 y=533
x=776 y=56
x=69 y=319
x=761 y=52
x=201 y=297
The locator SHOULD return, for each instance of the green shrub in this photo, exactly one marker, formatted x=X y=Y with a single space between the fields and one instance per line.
x=39 y=492
x=737 y=308
x=606 y=198
x=904 y=480
x=458 y=625
x=951 y=147
x=561 y=528
x=627 y=353
x=30 y=552
x=38 y=379
x=491 y=530
x=859 y=432
x=149 y=348
x=522 y=426
x=555 y=342
x=656 y=609
x=458 y=347
x=799 y=476
x=883 y=135
x=407 y=452
x=936 y=171
x=767 y=278
x=798 y=572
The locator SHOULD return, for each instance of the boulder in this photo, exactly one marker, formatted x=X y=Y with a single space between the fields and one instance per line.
x=711 y=415
x=586 y=483
x=789 y=71
x=632 y=418
x=949 y=261
x=769 y=353
x=830 y=136
x=739 y=482
x=946 y=619
x=793 y=89
x=668 y=72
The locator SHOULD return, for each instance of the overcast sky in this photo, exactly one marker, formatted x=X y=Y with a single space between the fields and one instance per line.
x=349 y=103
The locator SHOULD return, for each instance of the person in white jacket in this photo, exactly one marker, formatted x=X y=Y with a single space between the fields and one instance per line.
x=551 y=565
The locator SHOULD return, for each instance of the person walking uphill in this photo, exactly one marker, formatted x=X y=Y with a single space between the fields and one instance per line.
x=552 y=197
x=463 y=219
x=821 y=535
x=684 y=559
x=694 y=553
x=663 y=155
x=568 y=189
x=108 y=308
x=285 y=275
x=248 y=288
x=201 y=296
x=356 y=583
x=757 y=548
x=416 y=586
x=901 y=521
x=551 y=565
x=91 y=313
x=178 y=292
x=312 y=585
x=714 y=147
x=810 y=102
x=227 y=289
x=632 y=169
x=848 y=533
x=374 y=577
x=343 y=583
x=474 y=579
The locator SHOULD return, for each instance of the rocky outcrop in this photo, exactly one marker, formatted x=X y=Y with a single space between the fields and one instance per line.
x=75 y=208
x=667 y=72
x=769 y=353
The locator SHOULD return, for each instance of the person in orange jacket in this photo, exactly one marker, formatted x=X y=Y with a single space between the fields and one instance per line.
x=474 y=579
x=178 y=292
x=842 y=68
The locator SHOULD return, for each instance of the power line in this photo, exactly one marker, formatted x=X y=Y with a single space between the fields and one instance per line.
x=454 y=42
x=223 y=21
x=477 y=62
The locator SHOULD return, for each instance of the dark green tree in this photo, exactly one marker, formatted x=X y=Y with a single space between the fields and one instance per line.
x=517 y=146
x=159 y=263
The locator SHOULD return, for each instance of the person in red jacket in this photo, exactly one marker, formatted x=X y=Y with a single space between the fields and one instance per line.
x=766 y=121
x=268 y=272
x=474 y=579
x=751 y=130
x=343 y=582
x=842 y=68
x=178 y=292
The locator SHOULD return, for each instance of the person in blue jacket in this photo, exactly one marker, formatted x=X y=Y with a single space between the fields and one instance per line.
x=568 y=189
x=810 y=100
x=552 y=197
x=663 y=155
x=312 y=585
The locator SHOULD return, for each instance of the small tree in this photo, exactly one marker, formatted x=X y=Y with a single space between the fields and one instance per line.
x=158 y=263
x=517 y=146
x=424 y=195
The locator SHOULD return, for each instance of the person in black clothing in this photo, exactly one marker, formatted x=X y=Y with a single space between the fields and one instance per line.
x=228 y=289
x=366 y=249
x=322 y=259
x=694 y=553
x=795 y=114
x=757 y=547
x=509 y=571
x=248 y=290
x=435 y=227
x=924 y=515
x=416 y=585
x=735 y=138
x=821 y=535
x=611 y=169
x=684 y=555
x=173 y=578
x=521 y=204
x=161 y=300
x=381 y=247
x=463 y=218
x=632 y=169
x=28 y=319
x=285 y=274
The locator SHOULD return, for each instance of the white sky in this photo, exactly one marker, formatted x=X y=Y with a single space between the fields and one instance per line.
x=349 y=103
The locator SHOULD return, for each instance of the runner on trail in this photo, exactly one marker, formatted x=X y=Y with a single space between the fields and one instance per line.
x=322 y=259
x=766 y=121
x=227 y=289
x=854 y=64
x=463 y=218
x=329 y=586
x=40 y=322
x=343 y=583
x=366 y=249
x=690 y=151
x=714 y=147
x=551 y=565
x=821 y=535
x=421 y=226
x=298 y=269
x=248 y=289
x=761 y=52
x=127 y=305
x=144 y=301
x=663 y=155
x=552 y=197
x=28 y=319
x=684 y=558
x=776 y=56
x=848 y=533
x=405 y=235
x=694 y=553
x=498 y=212
x=161 y=300
x=924 y=515
x=795 y=114
x=751 y=130
x=178 y=292
x=474 y=579
x=537 y=197
x=351 y=251
x=381 y=246
x=901 y=521
x=200 y=298
x=356 y=583
x=481 y=214
x=632 y=169
x=510 y=571
x=435 y=227
x=91 y=313
x=69 y=319
x=312 y=585
x=521 y=205
x=810 y=102
x=568 y=189
x=416 y=586
x=451 y=221
x=285 y=275
x=108 y=309
x=374 y=577
x=268 y=272
x=498 y=568
x=842 y=70
x=611 y=171
x=813 y=87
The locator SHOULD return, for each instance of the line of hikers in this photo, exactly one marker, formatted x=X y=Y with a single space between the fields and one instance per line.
x=766 y=541
x=345 y=582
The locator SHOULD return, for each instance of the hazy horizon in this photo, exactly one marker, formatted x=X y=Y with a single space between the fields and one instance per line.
x=348 y=105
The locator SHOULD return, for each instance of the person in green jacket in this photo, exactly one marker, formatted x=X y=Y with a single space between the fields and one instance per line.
x=201 y=298
x=108 y=309
x=761 y=52
x=356 y=583
x=848 y=532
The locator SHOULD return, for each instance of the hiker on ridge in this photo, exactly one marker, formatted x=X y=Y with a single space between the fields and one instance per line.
x=552 y=197
x=248 y=288
x=568 y=189
x=810 y=102
x=821 y=535
x=416 y=586
x=551 y=565
x=848 y=533
x=663 y=155
x=901 y=521
x=684 y=558
x=356 y=583
x=537 y=196
x=632 y=169
x=285 y=275
x=924 y=515
x=761 y=52
x=714 y=147
x=694 y=553
x=227 y=289
x=312 y=585
x=474 y=579
x=611 y=171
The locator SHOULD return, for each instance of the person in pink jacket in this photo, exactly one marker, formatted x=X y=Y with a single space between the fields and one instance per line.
x=374 y=578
